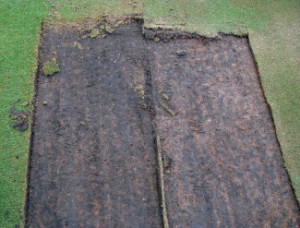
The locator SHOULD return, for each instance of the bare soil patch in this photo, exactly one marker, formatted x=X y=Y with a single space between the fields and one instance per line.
x=223 y=163
x=93 y=160
x=94 y=155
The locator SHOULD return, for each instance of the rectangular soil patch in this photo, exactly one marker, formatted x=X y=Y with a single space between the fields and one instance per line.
x=223 y=165
x=94 y=156
x=93 y=159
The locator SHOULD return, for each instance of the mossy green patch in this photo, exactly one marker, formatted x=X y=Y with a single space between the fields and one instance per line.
x=51 y=67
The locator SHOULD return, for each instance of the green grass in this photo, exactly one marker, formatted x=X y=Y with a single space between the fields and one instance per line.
x=273 y=27
x=19 y=28
x=67 y=10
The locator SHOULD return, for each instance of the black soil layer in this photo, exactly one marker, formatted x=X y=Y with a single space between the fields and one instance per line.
x=93 y=157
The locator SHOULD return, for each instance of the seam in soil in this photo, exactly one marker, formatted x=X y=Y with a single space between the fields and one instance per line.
x=160 y=169
x=150 y=109
x=156 y=140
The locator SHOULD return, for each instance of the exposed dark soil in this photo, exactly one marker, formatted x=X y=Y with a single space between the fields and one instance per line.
x=93 y=160
x=93 y=156
x=223 y=162
x=19 y=119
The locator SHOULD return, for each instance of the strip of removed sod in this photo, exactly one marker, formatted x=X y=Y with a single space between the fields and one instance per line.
x=91 y=140
x=20 y=24
x=273 y=28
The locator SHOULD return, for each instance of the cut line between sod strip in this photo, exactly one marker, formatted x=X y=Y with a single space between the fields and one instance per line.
x=161 y=184
x=149 y=104
x=95 y=131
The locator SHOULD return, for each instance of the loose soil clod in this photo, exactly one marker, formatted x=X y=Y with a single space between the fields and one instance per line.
x=181 y=53
x=139 y=90
x=109 y=29
x=78 y=45
x=156 y=39
x=20 y=119
x=102 y=28
x=94 y=33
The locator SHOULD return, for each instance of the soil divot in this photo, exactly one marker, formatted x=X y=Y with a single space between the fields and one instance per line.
x=157 y=129
x=20 y=118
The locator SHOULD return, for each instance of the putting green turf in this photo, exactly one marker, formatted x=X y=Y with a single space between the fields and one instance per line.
x=273 y=28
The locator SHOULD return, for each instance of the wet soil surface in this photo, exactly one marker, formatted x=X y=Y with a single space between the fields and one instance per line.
x=93 y=155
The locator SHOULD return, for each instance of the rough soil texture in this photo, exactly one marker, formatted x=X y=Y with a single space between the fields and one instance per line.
x=93 y=155
x=223 y=163
x=93 y=159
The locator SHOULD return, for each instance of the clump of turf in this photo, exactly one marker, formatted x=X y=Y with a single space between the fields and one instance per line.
x=139 y=90
x=78 y=45
x=109 y=29
x=94 y=33
x=168 y=109
x=51 y=67
x=165 y=97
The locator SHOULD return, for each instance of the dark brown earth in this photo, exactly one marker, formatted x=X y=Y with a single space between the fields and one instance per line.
x=93 y=155
x=93 y=160
x=223 y=162
x=19 y=119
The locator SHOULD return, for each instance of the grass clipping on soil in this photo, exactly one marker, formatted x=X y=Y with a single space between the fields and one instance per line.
x=51 y=67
